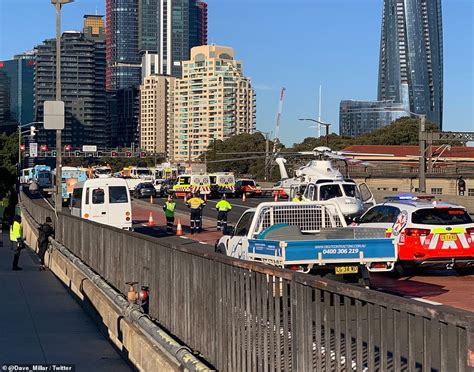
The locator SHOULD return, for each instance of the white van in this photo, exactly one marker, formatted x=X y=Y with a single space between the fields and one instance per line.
x=103 y=200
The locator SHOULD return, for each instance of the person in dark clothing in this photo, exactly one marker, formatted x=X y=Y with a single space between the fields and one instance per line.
x=45 y=231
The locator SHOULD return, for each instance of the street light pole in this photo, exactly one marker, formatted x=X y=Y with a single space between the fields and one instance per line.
x=58 y=201
x=422 y=148
x=327 y=125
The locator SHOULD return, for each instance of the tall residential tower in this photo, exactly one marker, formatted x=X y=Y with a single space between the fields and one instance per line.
x=411 y=57
x=212 y=101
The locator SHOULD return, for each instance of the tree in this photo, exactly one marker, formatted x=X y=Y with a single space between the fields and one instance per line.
x=8 y=161
x=403 y=131
x=238 y=146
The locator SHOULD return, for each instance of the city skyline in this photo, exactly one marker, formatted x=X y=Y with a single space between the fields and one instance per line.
x=350 y=73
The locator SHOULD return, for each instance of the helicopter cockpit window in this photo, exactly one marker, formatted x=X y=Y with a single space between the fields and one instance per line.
x=351 y=191
x=330 y=191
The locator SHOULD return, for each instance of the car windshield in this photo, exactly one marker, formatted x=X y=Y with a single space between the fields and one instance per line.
x=143 y=172
x=103 y=171
x=147 y=185
x=441 y=216
x=248 y=183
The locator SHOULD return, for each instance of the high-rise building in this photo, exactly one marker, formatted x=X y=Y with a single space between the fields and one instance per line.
x=169 y=29
x=123 y=59
x=361 y=117
x=6 y=124
x=411 y=57
x=83 y=88
x=94 y=26
x=20 y=74
x=212 y=101
x=156 y=104
x=123 y=112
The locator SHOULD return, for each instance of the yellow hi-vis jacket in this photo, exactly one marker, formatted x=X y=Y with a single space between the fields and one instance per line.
x=15 y=232
x=223 y=206
x=195 y=202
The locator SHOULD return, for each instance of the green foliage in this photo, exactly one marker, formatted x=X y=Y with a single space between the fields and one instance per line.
x=8 y=161
x=403 y=131
x=248 y=145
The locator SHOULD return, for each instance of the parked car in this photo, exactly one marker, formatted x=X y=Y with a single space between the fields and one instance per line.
x=248 y=187
x=144 y=189
x=428 y=234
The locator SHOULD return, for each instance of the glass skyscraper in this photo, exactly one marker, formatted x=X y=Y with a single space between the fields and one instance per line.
x=123 y=60
x=170 y=28
x=411 y=57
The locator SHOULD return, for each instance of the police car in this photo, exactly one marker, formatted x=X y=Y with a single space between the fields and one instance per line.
x=428 y=233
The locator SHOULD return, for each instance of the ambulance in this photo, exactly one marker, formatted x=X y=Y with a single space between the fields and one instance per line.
x=192 y=183
x=428 y=233
x=222 y=183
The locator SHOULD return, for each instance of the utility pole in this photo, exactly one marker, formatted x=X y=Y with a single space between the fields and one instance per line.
x=267 y=153
x=422 y=161
x=58 y=201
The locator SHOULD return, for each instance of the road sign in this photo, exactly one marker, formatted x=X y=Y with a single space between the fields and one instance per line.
x=33 y=150
x=53 y=115
x=89 y=148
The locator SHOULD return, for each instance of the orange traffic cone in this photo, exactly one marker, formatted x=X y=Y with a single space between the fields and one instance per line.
x=276 y=195
x=179 y=228
x=243 y=197
x=151 y=222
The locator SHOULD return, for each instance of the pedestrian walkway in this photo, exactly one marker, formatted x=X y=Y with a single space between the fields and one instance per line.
x=40 y=321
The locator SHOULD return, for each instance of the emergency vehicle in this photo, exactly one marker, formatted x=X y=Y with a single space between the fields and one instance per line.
x=428 y=233
x=222 y=183
x=192 y=183
x=247 y=186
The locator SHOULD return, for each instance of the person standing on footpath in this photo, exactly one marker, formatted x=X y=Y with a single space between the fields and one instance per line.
x=16 y=237
x=45 y=231
x=169 y=208
x=196 y=204
x=223 y=207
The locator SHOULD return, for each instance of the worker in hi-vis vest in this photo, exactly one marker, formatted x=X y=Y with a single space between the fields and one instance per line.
x=16 y=237
x=223 y=207
x=169 y=208
x=196 y=204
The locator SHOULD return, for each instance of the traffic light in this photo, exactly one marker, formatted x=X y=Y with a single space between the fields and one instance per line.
x=44 y=148
x=142 y=154
x=77 y=153
x=54 y=153
x=32 y=131
x=128 y=154
x=22 y=147
x=114 y=154
x=67 y=148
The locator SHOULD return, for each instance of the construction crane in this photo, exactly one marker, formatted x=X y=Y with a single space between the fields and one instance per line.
x=277 y=129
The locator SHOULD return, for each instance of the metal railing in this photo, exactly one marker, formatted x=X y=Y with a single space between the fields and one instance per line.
x=248 y=316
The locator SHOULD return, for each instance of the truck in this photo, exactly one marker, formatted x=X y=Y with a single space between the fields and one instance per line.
x=310 y=237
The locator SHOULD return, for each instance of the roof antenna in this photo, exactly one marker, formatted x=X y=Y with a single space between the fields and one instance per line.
x=96 y=12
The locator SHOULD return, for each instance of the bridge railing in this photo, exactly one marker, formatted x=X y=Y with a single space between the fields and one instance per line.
x=248 y=316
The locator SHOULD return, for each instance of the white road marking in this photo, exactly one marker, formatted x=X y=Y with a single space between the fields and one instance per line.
x=183 y=237
x=203 y=243
x=424 y=300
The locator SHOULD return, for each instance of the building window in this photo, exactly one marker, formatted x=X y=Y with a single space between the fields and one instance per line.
x=470 y=192
x=393 y=188
x=436 y=190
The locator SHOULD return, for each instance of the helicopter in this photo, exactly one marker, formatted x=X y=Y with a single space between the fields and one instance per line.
x=319 y=179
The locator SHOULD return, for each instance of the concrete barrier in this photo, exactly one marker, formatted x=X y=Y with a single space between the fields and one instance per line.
x=134 y=344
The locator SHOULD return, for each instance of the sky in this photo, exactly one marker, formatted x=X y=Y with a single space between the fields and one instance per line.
x=296 y=44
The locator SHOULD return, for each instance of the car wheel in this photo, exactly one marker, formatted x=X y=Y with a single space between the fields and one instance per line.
x=221 y=249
